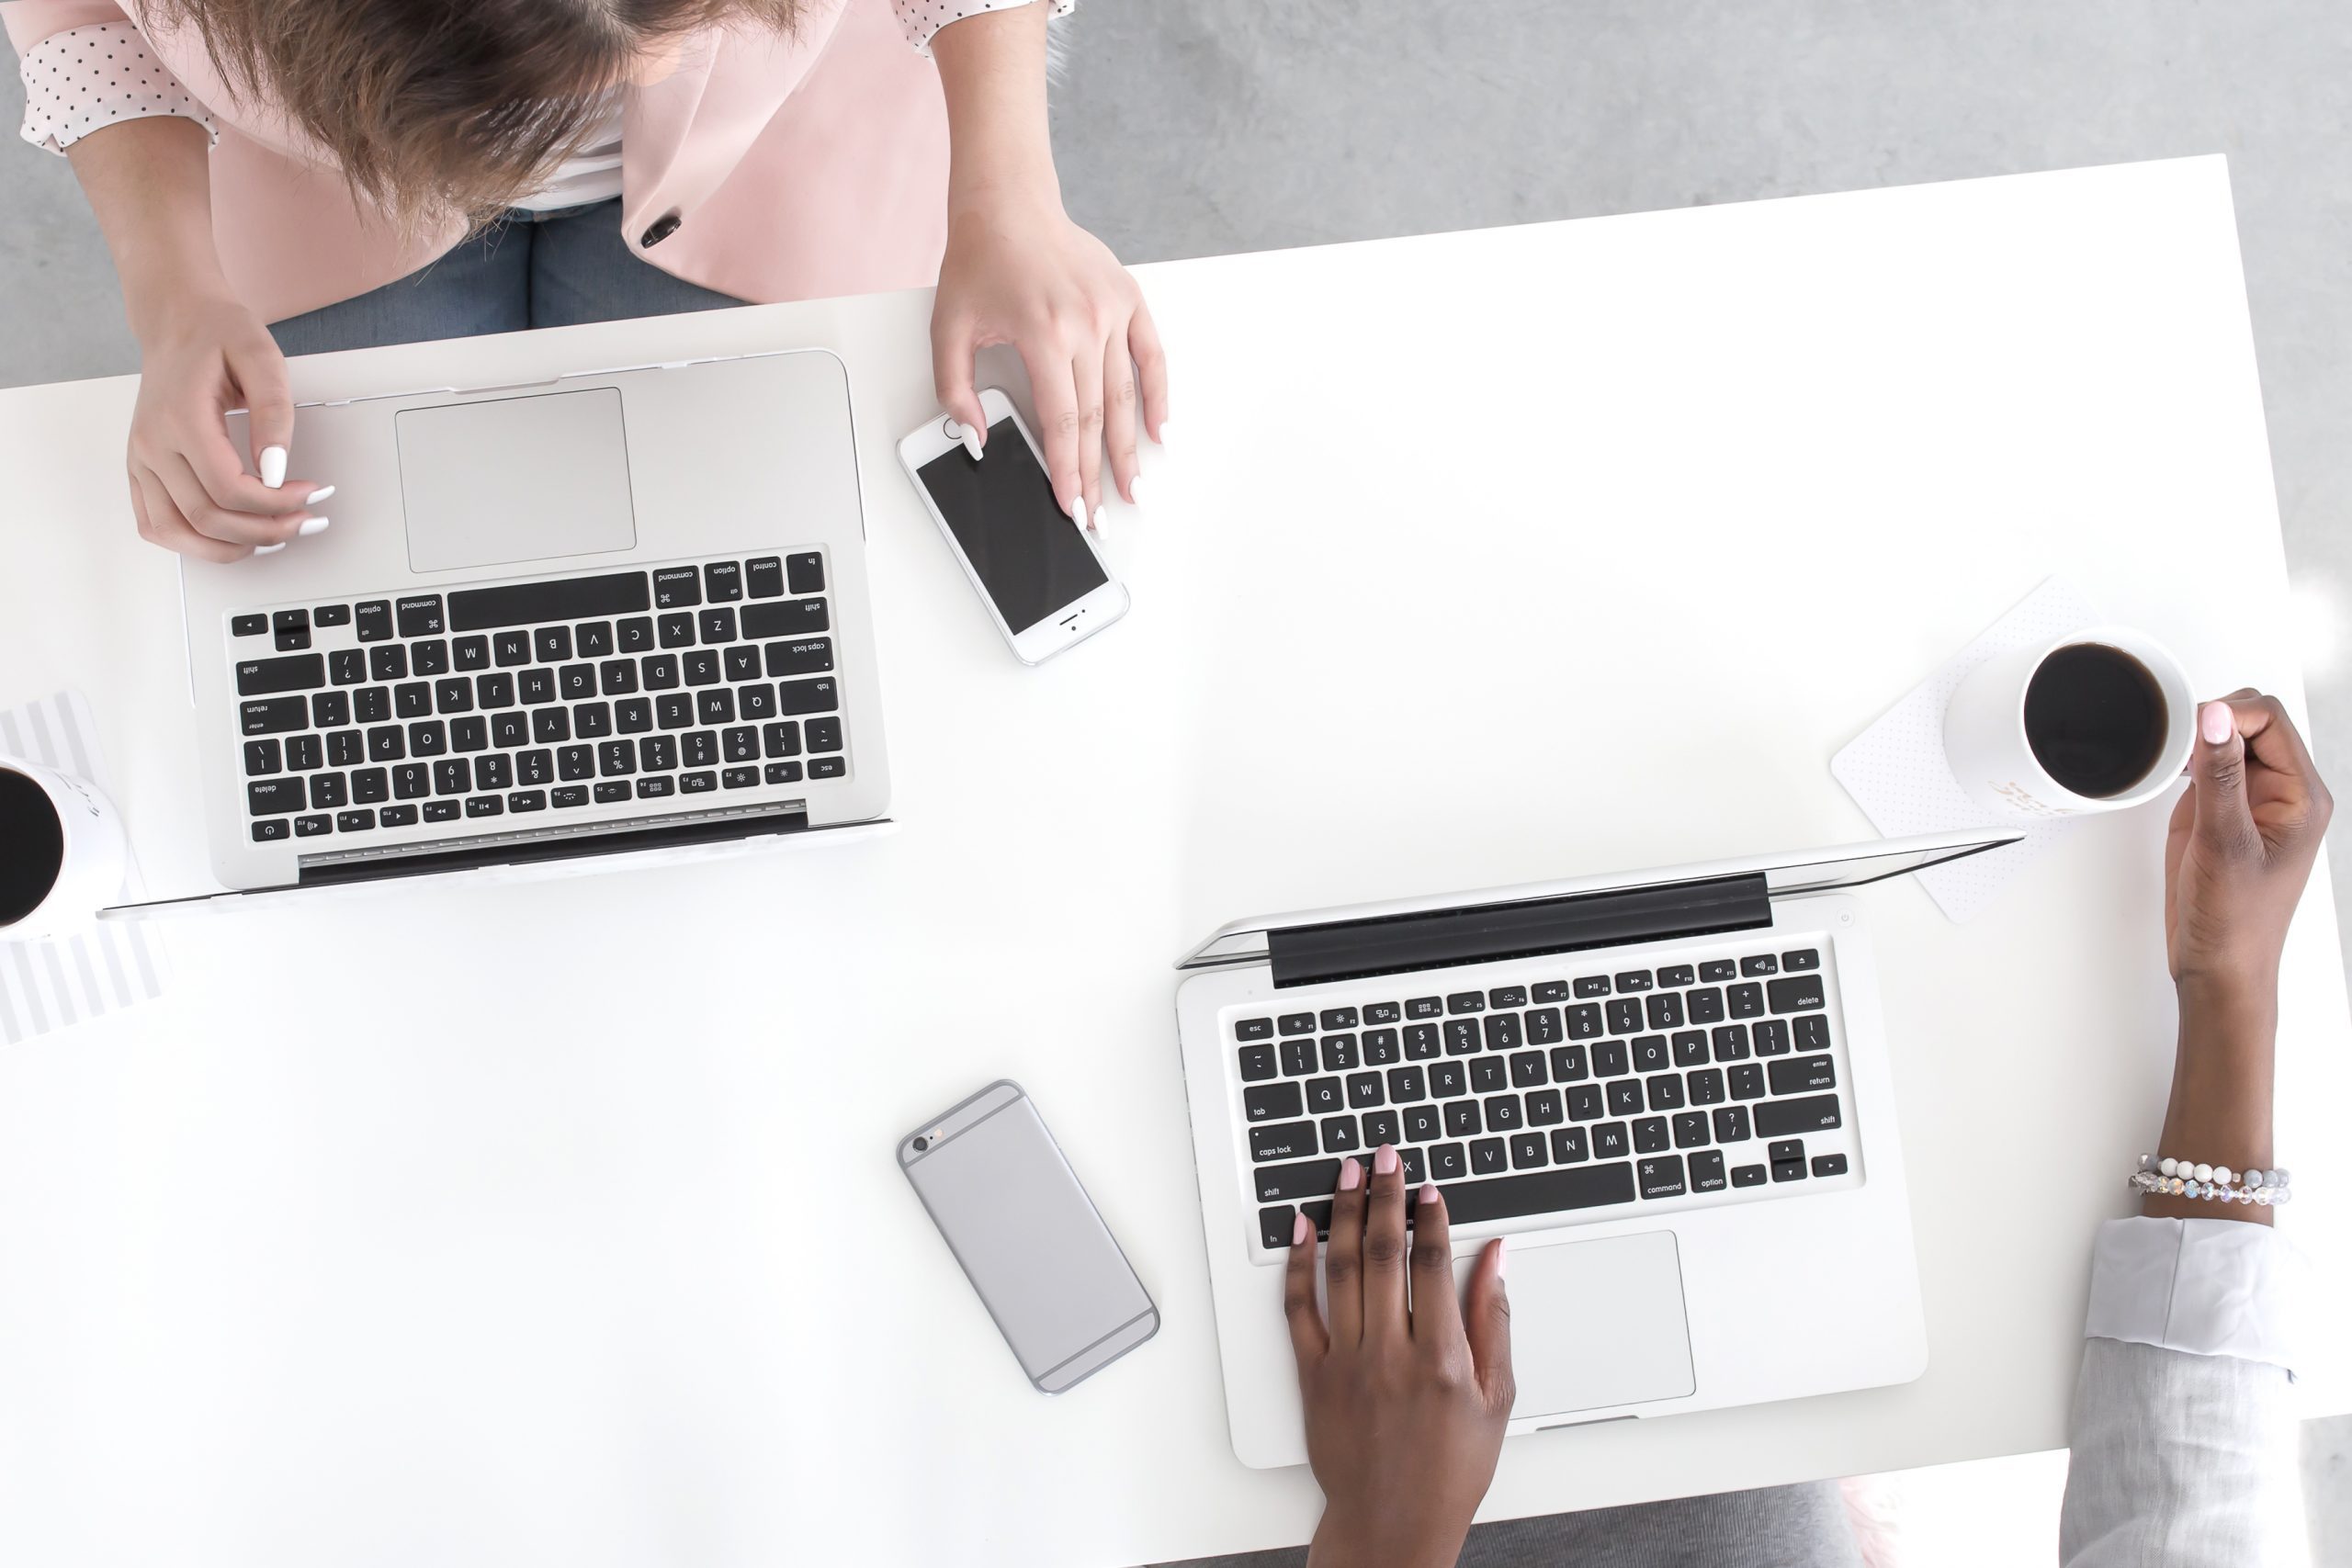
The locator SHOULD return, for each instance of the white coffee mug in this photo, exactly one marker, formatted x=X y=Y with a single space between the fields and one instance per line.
x=1985 y=731
x=62 y=852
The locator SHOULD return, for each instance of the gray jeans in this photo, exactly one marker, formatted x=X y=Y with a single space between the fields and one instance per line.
x=1779 y=1527
x=529 y=269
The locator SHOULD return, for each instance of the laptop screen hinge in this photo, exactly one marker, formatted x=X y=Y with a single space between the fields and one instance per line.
x=526 y=846
x=1348 y=950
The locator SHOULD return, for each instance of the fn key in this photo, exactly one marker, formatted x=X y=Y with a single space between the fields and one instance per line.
x=806 y=574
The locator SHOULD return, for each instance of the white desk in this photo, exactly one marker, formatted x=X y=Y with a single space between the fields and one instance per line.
x=558 y=1222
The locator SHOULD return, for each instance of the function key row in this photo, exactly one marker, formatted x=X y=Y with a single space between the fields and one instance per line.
x=1661 y=1011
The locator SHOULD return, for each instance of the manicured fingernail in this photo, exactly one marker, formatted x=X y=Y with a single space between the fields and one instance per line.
x=318 y=495
x=311 y=526
x=1301 y=1233
x=971 y=441
x=273 y=466
x=2215 y=722
x=269 y=549
x=1384 y=1160
x=1350 y=1173
x=1098 y=520
x=1134 y=490
x=1428 y=1192
x=1077 y=510
x=1162 y=437
x=1502 y=1258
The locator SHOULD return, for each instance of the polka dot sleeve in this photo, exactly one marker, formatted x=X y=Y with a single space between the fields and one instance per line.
x=919 y=19
x=87 y=78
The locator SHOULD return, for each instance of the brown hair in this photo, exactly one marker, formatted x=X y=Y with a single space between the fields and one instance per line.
x=440 y=106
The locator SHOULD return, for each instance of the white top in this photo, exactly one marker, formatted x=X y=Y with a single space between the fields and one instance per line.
x=557 y=1222
x=88 y=77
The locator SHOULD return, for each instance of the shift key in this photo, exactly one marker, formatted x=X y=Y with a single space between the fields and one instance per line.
x=1307 y=1178
x=295 y=673
x=1787 y=1118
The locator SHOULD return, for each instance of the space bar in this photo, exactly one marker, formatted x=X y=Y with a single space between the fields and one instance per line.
x=570 y=598
x=1538 y=1192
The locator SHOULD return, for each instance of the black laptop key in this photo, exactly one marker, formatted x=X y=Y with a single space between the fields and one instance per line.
x=1731 y=1125
x=1527 y=1070
x=292 y=629
x=1326 y=1097
x=806 y=572
x=1705 y=1005
x=612 y=792
x=759 y=702
x=1747 y=1175
x=617 y=759
x=616 y=677
x=371 y=620
x=312 y=827
x=1762 y=964
x=494 y=771
x=468 y=653
x=442 y=810
x=1788 y=1171
x=673 y=710
x=739 y=778
x=1592 y=985
x=1488 y=1075
x=1462 y=1119
x=1665 y=1010
x=1535 y=1192
x=509 y=649
x=248 y=625
x=1706 y=1086
x=372 y=705
x=1664 y=1091
x=552 y=645
x=1543 y=1026
x=1488 y=1157
x=1339 y=1053
x=1364 y=1091
x=1707 y=1171
x=272 y=797
x=1584 y=1020
x=591 y=721
x=1650 y=1054
x=397 y=816
x=274 y=716
x=1634 y=981
x=329 y=710
x=355 y=821
x=722 y=581
x=701 y=667
x=485 y=805
x=677 y=587
x=1304 y=1178
x=387 y=743
x=527 y=800
x=1772 y=1037
x=471 y=733
x=1421 y=1041
x=455 y=694
x=659 y=672
x=1717 y=970
x=1425 y=1007
x=1803 y=959
x=1625 y=1015
x=1689 y=1129
x=1570 y=1147
x=328 y=791
x=1803 y=1075
x=1384 y=1012
x=656 y=788
x=1662 y=1177
x=1797 y=993
x=632 y=715
x=1813 y=1031
x=635 y=634
x=716 y=707
x=1506 y=997
x=412 y=781
x=389 y=663
x=784 y=618
x=347 y=666
x=1551 y=991
x=1258 y=1059
x=1829 y=1165
x=1282 y=1140
x=296 y=672
x=569 y=796
x=1502 y=1032
x=524 y=603
x=718 y=625
x=677 y=630
x=1611 y=1140
x=1747 y=1000
x=453 y=775
x=1625 y=1097
x=1447 y=1079
x=1650 y=1135
x=345 y=750
x=1381 y=1048
x=594 y=639
x=658 y=754
x=1609 y=1059
x=420 y=616
x=551 y=726
x=413 y=699
x=1422 y=1122
x=1780 y=1118
x=1545 y=1108
x=1676 y=975
x=1731 y=1042
x=534 y=767
x=1746 y=1080
x=743 y=745
x=1690 y=1048
x=1407 y=1084
x=263 y=757
x=305 y=753
x=1569 y=1065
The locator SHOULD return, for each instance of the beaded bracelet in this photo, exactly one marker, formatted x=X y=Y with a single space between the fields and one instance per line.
x=2185 y=1178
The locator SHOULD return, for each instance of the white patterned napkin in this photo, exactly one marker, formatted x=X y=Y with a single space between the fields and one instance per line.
x=1897 y=774
x=105 y=966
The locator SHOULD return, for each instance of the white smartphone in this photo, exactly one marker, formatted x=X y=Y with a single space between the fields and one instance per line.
x=1045 y=585
x=1028 y=1238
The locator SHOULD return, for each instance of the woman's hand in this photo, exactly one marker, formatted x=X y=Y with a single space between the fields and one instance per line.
x=1406 y=1398
x=1023 y=273
x=2241 y=847
x=1018 y=271
x=203 y=354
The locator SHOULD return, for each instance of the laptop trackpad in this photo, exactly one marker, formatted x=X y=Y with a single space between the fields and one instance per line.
x=515 y=480
x=1567 y=1358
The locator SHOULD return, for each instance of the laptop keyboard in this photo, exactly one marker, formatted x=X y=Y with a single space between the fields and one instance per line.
x=1572 y=1094
x=364 y=716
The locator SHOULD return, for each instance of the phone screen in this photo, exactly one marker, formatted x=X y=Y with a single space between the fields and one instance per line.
x=1002 y=513
x=1061 y=1292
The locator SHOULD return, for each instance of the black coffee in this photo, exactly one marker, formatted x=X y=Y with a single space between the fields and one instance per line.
x=2096 y=718
x=32 y=846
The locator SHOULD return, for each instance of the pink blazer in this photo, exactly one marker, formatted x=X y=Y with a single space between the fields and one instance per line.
x=763 y=166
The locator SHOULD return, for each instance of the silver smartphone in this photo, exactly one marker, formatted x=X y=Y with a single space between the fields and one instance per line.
x=1012 y=1211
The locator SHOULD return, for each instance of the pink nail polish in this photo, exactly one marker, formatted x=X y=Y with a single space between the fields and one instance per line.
x=1384 y=1160
x=1301 y=1231
x=1502 y=1258
x=1428 y=1192
x=1351 y=1174
x=2215 y=721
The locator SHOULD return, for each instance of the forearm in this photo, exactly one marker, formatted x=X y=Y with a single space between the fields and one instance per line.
x=149 y=183
x=1337 y=1545
x=992 y=70
x=2220 y=1111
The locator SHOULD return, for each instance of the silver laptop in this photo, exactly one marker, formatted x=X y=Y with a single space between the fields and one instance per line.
x=1670 y=1088
x=599 y=614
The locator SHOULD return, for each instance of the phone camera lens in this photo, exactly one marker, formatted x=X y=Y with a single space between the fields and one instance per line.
x=921 y=1144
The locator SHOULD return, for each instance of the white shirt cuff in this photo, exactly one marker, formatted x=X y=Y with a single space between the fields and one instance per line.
x=2207 y=1287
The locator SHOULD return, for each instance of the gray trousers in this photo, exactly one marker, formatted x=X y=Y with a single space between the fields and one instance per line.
x=1779 y=1527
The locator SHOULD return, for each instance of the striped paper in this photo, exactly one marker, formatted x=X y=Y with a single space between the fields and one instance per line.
x=108 y=964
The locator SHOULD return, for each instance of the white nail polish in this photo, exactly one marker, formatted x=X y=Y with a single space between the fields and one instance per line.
x=269 y=549
x=1098 y=520
x=971 y=441
x=311 y=526
x=273 y=466
x=318 y=495
x=1078 y=510
x=1162 y=437
x=1136 y=490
